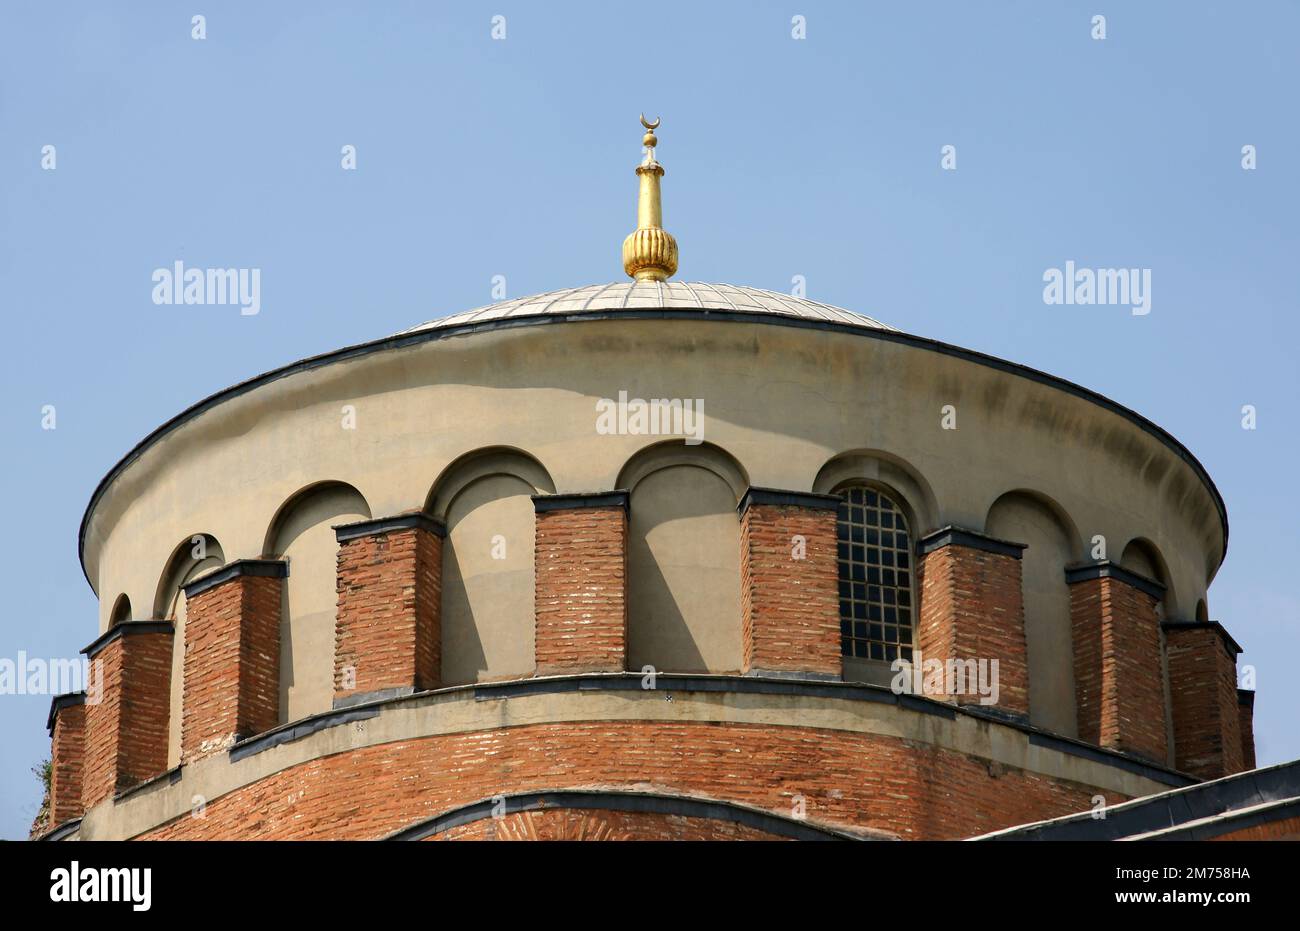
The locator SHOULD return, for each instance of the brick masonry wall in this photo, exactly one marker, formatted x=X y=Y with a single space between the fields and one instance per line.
x=789 y=607
x=1246 y=724
x=1203 y=690
x=67 y=758
x=388 y=633
x=581 y=590
x=1118 y=681
x=126 y=731
x=586 y=824
x=972 y=607
x=847 y=780
x=232 y=664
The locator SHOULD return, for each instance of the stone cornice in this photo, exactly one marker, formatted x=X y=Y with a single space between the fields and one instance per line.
x=972 y=539
x=127 y=629
x=1105 y=569
x=258 y=568
x=589 y=499
x=777 y=497
x=378 y=525
x=1232 y=646
x=58 y=703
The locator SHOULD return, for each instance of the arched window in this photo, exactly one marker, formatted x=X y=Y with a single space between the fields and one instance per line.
x=877 y=613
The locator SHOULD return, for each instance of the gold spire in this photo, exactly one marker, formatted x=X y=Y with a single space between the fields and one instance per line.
x=649 y=252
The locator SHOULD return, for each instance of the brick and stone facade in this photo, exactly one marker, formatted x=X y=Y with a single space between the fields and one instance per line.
x=232 y=656
x=126 y=729
x=790 y=621
x=972 y=608
x=388 y=632
x=580 y=561
x=1203 y=691
x=1118 y=677
x=67 y=727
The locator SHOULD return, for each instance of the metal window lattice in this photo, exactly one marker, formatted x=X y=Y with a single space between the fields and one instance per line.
x=875 y=561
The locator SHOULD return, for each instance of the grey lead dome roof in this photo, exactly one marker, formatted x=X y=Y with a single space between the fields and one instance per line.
x=653 y=295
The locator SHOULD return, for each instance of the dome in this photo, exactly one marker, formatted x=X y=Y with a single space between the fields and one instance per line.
x=640 y=296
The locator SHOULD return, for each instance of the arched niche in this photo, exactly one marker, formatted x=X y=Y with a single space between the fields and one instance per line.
x=485 y=500
x=302 y=534
x=192 y=557
x=684 y=558
x=1051 y=543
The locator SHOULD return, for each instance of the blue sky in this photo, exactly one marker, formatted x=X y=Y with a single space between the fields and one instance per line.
x=478 y=157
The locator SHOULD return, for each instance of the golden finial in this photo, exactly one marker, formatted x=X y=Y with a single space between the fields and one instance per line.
x=650 y=252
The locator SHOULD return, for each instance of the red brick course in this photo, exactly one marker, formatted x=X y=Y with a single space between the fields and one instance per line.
x=1203 y=691
x=126 y=731
x=67 y=759
x=848 y=780
x=232 y=664
x=581 y=589
x=388 y=633
x=972 y=607
x=1118 y=680
x=789 y=607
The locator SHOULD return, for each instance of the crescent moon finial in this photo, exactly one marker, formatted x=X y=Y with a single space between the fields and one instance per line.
x=651 y=126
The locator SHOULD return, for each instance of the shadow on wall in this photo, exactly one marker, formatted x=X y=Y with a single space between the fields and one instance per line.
x=485 y=500
x=302 y=534
x=1051 y=543
x=684 y=558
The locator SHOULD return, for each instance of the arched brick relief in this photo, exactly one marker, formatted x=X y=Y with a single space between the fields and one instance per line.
x=488 y=572
x=302 y=535
x=684 y=558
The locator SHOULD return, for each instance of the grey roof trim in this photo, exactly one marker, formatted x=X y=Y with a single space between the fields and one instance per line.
x=1165 y=810
x=403 y=340
x=607 y=800
x=62 y=830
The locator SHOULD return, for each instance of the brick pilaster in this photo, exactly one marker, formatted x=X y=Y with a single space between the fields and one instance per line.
x=1246 y=724
x=126 y=729
x=232 y=655
x=388 y=634
x=789 y=605
x=972 y=609
x=67 y=727
x=580 y=597
x=1118 y=680
x=1203 y=690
